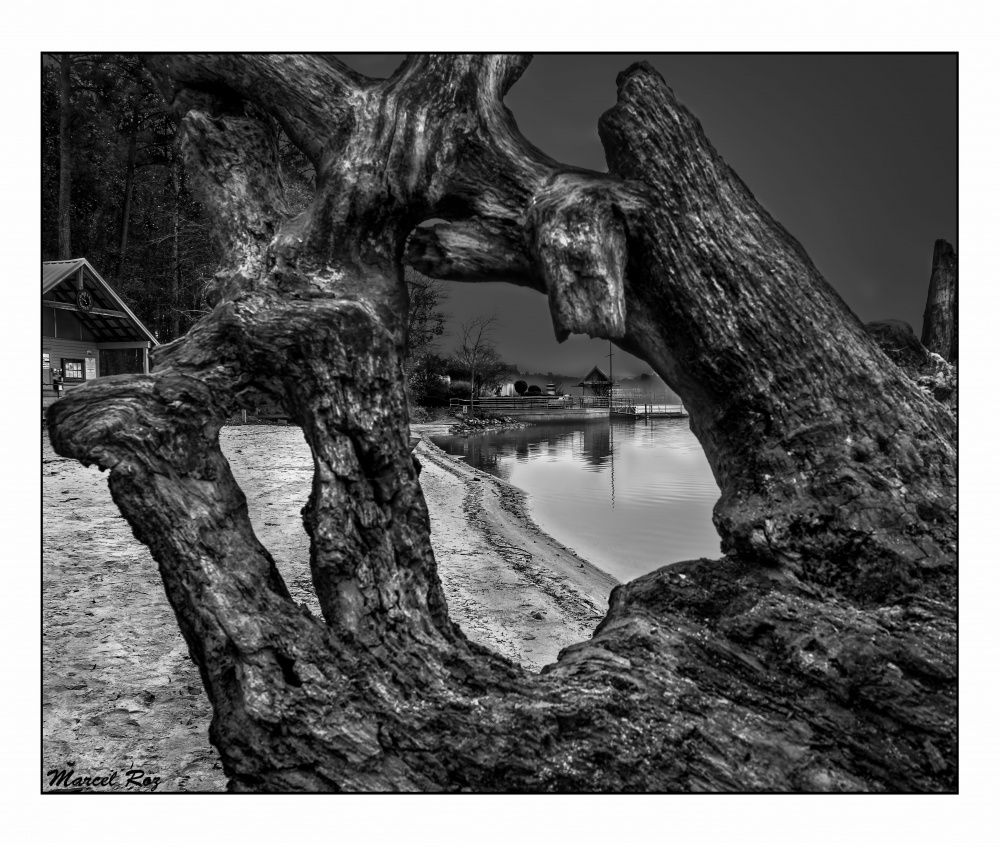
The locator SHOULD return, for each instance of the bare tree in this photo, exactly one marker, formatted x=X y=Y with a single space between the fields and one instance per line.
x=491 y=371
x=817 y=653
x=475 y=347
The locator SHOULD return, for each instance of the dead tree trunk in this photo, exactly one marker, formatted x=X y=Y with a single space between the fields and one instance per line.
x=65 y=155
x=940 y=334
x=129 y=182
x=818 y=654
x=175 y=250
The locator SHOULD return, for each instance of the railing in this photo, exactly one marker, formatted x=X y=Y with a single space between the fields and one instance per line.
x=632 y=402
x=637 y=395
x=528 y=403
x=625 y=402
x=649 y=409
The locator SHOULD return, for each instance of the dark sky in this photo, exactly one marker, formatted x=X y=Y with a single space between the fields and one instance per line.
x=856 y=155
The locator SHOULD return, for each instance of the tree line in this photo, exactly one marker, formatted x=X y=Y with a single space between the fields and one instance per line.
x=115 y=190
x=474 y=366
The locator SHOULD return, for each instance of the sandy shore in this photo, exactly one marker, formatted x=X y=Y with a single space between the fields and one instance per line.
x=119 y=691
x=509 y=585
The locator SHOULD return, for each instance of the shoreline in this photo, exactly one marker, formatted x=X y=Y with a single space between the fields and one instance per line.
x=118 y=687
x=500 y=569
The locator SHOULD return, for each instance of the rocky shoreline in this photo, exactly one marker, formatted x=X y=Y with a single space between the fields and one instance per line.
x=470 y=424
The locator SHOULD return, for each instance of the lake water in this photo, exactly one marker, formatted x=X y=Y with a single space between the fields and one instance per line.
x=628 y=496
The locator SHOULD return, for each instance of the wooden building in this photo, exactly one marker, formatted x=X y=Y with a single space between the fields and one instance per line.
x=87 y=330
x=595 y=383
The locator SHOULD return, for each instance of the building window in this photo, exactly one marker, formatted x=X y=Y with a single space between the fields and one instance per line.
x=72 y=368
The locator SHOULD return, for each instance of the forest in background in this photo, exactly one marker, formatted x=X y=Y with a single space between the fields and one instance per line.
x=114 y=189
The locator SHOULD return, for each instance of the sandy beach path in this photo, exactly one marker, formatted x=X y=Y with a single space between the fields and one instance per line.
x=119 y=691
x=509 y=585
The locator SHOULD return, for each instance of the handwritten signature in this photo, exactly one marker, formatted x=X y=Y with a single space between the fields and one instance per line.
x=134 y=779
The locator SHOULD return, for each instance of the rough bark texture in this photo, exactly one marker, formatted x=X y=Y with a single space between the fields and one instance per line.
x=901 y=345
x=932 y=373
x=940 y=333
x=819 y=653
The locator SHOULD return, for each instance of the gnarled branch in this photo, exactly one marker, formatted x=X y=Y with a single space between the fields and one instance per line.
x=818 y=654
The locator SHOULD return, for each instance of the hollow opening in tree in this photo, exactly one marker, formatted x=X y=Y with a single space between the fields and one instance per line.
x=837 y=474
x=274 y=466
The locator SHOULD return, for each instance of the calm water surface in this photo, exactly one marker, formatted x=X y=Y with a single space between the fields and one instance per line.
x=628 y=496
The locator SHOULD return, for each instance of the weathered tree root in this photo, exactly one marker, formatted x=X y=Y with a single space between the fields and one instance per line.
x=819 y=654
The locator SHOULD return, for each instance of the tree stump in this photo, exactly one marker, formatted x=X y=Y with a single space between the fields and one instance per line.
x=817 y=654
x=940 y=333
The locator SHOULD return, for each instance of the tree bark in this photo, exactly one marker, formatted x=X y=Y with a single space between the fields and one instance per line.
x=940 y=333
x=65 y=156
x=818 y=653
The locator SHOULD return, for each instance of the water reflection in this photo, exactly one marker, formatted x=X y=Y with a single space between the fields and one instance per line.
x=629 y=496
x=588 y=443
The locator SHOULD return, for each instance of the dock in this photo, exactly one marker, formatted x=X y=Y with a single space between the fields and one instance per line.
x=647 y=411
x=540 y=408
x=552 y=409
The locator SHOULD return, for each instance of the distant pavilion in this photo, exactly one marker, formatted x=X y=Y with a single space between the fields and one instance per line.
x=597 y=382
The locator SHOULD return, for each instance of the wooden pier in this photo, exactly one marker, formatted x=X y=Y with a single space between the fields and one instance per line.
x=551 y=408
x=640 y=404
x=646 y=411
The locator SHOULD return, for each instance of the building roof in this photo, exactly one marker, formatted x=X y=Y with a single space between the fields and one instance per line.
x=594 y=376
x=109 y=319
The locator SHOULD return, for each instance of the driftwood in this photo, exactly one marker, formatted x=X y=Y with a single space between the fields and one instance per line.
x=818 y=654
